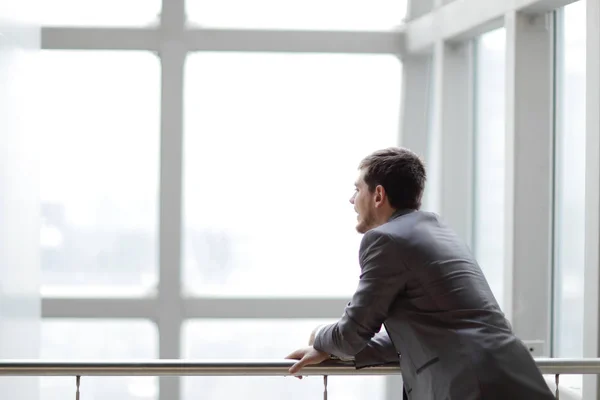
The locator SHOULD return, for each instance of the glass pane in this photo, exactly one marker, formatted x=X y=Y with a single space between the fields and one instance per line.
x=71 y=339
x=433 y=158
x=272 y=146
x=99 y=176
x=19 y=204
x=570 y=186
x=99 y=12
x=488 y=235
x=298 y=14
x=263 y=339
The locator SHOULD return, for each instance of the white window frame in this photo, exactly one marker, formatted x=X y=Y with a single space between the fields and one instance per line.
x=171 y=39
x=591 y=331
x=529 y=148
x=434 y=41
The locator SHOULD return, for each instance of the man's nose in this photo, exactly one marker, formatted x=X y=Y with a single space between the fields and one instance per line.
x=352 y=199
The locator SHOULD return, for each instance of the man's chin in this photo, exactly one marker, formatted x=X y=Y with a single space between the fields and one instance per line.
x=361 y=228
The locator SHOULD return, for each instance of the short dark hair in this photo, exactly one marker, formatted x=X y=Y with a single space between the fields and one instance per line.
x=401 y=173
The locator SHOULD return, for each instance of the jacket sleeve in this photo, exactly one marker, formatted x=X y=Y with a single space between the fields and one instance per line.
x=382 y=279
x=378 y=351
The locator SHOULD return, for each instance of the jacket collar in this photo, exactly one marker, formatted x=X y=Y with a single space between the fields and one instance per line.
x=401 y=212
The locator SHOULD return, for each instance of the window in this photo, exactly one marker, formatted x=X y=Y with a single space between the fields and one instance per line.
x=272 y=146
x=69 y=339
x=99 y=12
x=263 y=339
x=296 y=14
x=433 y=158
x=99 y=124
x=569 y=232
x=488 y=229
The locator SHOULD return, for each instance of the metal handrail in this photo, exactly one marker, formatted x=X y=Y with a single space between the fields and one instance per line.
x=262 y=367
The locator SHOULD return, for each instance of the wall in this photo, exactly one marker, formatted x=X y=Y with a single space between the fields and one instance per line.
x=19 y=204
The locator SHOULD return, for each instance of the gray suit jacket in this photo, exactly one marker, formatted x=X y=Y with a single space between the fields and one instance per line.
x=421 y=282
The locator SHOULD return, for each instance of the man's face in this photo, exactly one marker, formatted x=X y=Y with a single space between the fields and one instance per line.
x=364 y=204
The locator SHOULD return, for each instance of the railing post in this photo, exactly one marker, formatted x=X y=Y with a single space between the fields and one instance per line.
x=77 y=383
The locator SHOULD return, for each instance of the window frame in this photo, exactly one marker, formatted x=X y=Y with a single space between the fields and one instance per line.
x=172 y=39
x=427 y=33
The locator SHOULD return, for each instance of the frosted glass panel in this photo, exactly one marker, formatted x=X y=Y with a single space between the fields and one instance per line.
x=488 y=235
x=272 y=146
x=570 y=187
x=99 y=12
x=297 y=14
x=100 y=167
x=19 y=194
x=433 y=157
x=71 y=339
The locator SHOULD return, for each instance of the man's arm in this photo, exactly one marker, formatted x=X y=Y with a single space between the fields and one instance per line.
x=378 y=351
x=382 y=280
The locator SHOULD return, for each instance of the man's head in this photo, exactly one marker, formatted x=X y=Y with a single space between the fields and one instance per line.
x=390 y=179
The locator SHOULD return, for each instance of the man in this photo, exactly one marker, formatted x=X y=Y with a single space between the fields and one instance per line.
x=420 y=282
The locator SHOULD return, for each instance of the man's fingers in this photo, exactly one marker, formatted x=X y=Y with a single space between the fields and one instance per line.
x=305 y=357
x=296 y=355
x=299 y=365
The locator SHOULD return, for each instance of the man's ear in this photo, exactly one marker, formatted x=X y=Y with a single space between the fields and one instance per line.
x=379 y=194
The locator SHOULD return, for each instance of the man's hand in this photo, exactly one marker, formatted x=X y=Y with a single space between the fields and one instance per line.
x=306 y=356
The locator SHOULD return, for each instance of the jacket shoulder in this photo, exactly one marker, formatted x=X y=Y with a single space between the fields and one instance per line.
x=404 y=226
